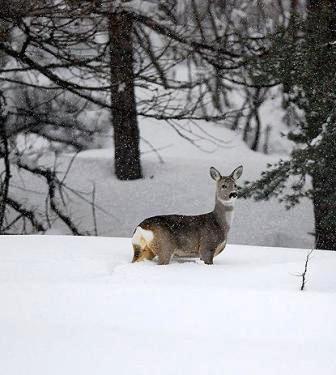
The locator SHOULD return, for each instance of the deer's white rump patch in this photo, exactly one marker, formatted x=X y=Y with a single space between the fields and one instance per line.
x=142 y=236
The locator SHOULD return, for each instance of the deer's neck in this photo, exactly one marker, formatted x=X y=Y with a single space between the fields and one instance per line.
x=224 y=213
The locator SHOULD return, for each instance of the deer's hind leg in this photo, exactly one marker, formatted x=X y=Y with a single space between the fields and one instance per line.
x=142 y=253
x=164 y=246
x=165 y=255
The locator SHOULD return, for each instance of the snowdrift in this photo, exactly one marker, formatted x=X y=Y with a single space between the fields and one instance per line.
x=77 y=306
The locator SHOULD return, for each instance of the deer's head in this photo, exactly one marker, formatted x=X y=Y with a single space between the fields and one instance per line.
x=226 y=185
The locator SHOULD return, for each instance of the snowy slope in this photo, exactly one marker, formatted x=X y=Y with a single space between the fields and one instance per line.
x=77 y=306
x=181 y=184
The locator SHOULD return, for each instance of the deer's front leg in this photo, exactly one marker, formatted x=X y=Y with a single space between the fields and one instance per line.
x=207 y=254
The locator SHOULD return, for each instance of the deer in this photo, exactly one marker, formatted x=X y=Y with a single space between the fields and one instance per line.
x=190 y=236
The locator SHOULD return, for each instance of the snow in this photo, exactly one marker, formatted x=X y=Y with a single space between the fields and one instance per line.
x=181 y=184
x=77 y=306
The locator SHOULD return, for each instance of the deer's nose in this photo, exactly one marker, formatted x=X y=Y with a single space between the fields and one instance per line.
x=234 y=194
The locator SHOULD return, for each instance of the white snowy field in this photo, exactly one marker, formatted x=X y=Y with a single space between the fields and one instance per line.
x=181 y=184
x=77 y=306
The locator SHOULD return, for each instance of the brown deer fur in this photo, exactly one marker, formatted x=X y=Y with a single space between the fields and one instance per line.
x=203 y=236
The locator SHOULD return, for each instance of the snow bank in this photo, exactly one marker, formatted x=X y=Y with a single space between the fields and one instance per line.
x=77 y=306
x=181 y=184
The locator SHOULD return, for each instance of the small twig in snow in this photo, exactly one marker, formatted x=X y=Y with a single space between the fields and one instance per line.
x=304 y=273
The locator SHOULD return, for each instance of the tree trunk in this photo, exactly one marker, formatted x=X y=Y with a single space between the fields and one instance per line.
x=123 y=102
x=325 y=217
x=256 y=140
x=257 y=101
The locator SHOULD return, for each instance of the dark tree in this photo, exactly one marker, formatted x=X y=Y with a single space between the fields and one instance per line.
x=123 y=102
x=302 y=58
x=103 y=51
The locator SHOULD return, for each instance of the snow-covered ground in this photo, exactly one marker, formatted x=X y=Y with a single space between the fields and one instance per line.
x=77 y=306
x=181 y=184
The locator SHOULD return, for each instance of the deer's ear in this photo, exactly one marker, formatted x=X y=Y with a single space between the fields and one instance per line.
x=237 y=172
x=215 y=174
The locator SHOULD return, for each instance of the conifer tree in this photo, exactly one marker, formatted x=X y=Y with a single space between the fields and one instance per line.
x=302 y=59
